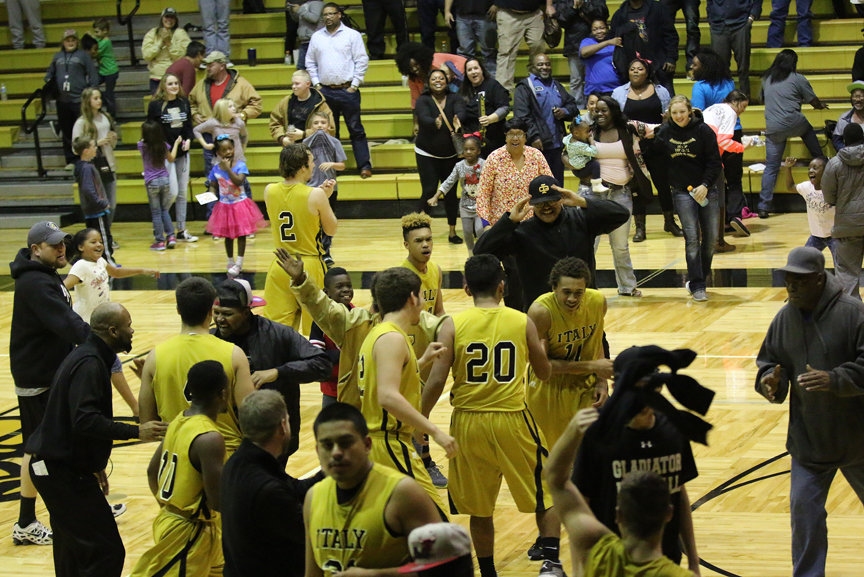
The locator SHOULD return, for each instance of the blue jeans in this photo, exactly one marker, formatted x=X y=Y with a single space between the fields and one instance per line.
x=618 y=238
x=807 y=496
x=159 y=195
x=696 y=220
x=215 y=15
x=819 y=243
x=474 y=31
x=779 y=11
x=301 y=55
x=348 y=105
x=178 y=175
x=775 y=145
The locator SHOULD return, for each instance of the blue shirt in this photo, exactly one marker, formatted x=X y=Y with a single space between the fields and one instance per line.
x=548 y=98
x=229 y=193
x=600 y=75
x=705 y=95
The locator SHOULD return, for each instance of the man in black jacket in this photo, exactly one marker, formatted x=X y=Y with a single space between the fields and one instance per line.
x=44 y=331
x=656 y=31
x=280 y=358
x=730 y=22
x=564 y=224
x=262 y=507
x=544 y=104
x=70 y=449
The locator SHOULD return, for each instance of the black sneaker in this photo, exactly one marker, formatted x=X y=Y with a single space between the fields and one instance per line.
x=535 y=551
x=552 y=569
x=455 y=239
x=438 y=478
x=738 y=225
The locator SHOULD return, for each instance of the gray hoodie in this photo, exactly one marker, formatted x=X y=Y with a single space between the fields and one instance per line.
x=843 y=186
x=825 y=427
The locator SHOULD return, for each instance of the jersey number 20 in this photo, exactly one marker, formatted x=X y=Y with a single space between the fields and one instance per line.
x=503 y=362
x=287 y=223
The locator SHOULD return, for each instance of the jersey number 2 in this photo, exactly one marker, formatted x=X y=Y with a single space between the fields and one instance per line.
x=503 y=365
x=287 y=223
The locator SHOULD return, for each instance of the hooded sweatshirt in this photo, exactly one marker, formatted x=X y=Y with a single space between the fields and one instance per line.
x=824 y=427
x=694 y=153
x=44 y=327
x=843 y=186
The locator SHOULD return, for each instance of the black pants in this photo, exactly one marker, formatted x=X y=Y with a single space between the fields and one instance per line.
x=86 y=540
x=103 y=225
x=290 y=32
x=434 y=171
x=733 y=170
x=67 y=114
x=556 y=165
x=291 y=394
x=513 y=296
x=376 y=12
x=728 y=41
x=657 y=162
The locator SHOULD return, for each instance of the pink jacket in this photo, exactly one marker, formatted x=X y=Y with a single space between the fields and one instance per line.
x=722 y=118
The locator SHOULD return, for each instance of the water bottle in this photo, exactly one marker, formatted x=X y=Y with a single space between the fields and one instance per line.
x=703 y=202
x=252 y=56
x=3 y=94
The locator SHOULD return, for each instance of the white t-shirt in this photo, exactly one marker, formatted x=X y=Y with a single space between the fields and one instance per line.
x=93 y=290
x=819 y=213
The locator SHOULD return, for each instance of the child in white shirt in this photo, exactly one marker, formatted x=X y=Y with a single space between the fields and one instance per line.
x=820 y=214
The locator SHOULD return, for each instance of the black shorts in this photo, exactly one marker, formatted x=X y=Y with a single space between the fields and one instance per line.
x=32 y=410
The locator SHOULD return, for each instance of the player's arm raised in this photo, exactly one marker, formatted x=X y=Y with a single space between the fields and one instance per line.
x=390 y=355
x=320 y=205
x=537 y=352
x=582 y=526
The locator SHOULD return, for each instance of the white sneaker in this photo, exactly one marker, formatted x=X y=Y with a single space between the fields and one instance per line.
x=234 y=271
x=184 y=236
x=33 y=534
x=118 y=509
x=289 y=59
x=700 y=295
x=598 y=186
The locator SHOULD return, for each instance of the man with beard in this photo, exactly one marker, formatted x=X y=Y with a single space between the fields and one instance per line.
x=70 y=449
x=262 y=506
x=280 y=358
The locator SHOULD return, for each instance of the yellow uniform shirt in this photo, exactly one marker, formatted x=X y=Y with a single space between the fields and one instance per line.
x=490 y=355
x=574 y=335
x=409 y=384
x=174 y=358
x=423 y=333
x=294 y=228
x=353 y=534
x=609 y=559
x=181 y=487
x=430 y=283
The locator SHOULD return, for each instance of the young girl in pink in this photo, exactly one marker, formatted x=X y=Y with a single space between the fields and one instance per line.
x=235 y=215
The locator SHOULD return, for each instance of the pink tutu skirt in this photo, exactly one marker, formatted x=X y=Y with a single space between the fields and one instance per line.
x=235 y=220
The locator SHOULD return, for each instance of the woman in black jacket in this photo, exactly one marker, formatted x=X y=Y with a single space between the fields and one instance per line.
x=486 y=105
x=171 y=108
x=438 y=115
x=694 y=170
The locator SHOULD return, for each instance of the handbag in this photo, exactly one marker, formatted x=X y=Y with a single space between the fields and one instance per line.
x=101 y=164
x=551 y=31
x=457 y=139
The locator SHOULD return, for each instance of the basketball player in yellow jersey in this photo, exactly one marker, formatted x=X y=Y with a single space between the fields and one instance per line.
x=184 y=476
x=417 y=237
x=644 y=508
x=360 y=515
x=570 y=320
x=297 y=214
x=497 y=435
x=389 y=379
x=163 y=377
x=348 y=328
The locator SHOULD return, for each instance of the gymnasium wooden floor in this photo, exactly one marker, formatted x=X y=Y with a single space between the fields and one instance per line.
x=743 y=530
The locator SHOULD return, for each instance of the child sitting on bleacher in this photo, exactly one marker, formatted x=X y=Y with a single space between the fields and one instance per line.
x=329 y=158
x=91 y=192
x=820 y=215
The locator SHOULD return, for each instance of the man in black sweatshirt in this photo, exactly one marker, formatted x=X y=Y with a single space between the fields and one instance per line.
x=70 y=449
x=44 y=331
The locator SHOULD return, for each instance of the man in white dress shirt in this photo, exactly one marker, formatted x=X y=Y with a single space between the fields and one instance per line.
x=337 y=62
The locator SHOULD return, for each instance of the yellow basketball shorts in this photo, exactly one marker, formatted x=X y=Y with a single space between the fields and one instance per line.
x=197 y=545
x=282 y=306
x=395 y=450
x=493 y=445
x=554 y=405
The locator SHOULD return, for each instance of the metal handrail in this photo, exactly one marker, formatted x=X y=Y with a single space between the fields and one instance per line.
x=33 y=126
x=127 y=21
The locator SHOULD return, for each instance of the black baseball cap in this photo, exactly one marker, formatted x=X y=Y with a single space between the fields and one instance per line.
x=804 y=260
x=541 y=190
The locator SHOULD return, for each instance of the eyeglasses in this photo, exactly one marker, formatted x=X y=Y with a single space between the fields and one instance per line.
x=222 y=137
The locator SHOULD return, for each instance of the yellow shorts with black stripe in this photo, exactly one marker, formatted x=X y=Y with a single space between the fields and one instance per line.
x=396 y=451
x=554 y=405
x=197 y=545
x=282 y=306
x=493 y=445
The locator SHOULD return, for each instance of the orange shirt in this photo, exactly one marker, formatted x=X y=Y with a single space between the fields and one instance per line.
x=416 y=85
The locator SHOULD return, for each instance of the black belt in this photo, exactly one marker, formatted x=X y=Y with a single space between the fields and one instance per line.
x=338 y=86
x=612 y=186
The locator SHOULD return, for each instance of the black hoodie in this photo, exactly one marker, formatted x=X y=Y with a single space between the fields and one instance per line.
x=695 y=158
x=44 y=327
